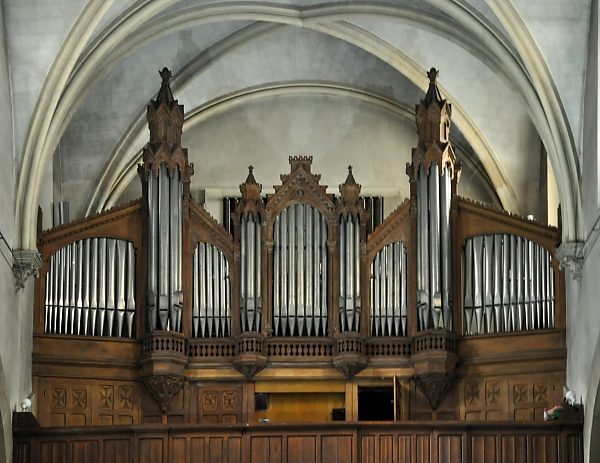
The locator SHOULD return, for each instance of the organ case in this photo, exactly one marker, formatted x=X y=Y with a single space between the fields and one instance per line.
x=154 y=311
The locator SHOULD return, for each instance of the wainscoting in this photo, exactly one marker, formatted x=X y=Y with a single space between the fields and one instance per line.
x=417 y=442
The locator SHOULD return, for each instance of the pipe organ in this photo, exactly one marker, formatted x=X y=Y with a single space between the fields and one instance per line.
x=90 y=289
x=509 y=285
x=305 y=295
x=388 y=292
x=300 y=272
x=211 y=309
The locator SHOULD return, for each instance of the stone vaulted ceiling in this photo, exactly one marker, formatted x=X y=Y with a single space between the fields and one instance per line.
x=264 y=80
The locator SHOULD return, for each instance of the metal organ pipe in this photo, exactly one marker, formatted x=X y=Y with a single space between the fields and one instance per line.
x=388 y=291
x=86 y=287
x=349 y=273
x=250 y=302
x=300 y=272
x=211 y=289
x=512 y=277
x=165 y=295
x=433 y=247
x=423 y=251
x=435 y=301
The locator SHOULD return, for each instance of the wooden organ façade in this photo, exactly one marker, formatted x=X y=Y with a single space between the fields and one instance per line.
x=446 y=311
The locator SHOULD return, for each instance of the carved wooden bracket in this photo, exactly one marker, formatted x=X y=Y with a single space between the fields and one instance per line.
x=163 y=388
x=350 y=356
x=434 y=386
x=249 y=358
x=434 y=359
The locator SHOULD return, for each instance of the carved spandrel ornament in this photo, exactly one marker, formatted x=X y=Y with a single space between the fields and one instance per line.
x=163 y=388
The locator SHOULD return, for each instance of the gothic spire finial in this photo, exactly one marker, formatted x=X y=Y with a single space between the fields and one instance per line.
x=250 y=179
x=350 y=178
x=433 y=93
x=164 y=94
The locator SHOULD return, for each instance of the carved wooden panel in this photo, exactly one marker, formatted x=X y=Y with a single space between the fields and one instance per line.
x=220 y=404
x=68 y=402
x=519 y=397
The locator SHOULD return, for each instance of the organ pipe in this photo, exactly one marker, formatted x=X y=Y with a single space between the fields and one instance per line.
x=90 y=289
x=165 y=292
x=300 y=272
x=512 y=277
x=433 y=247
x=211 y=289
x=388 y=291
x=349 y=268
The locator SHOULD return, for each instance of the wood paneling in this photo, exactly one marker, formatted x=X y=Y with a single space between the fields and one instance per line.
x=422 y=442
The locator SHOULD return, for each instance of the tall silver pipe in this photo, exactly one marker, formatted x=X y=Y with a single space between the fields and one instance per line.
x=488 y=267
x=357 y=302
x=86 y=285
x=195 y=297
x=57 y=293
x=319 y=329
x=519 y=299
x=244 y=273
x=514 y=283
x=536 y=287
x=179 y=269
x=61 y=290
x=544 y=288
x=349 y=273
x=497 y=282
x=478 y=278
x=376 y=304
x=130 y=307
x=292 y=279
x=324 y=277
x=526 y=283
x=446 y=240
x=551 y=301
x=258 y=276
x=68 y=299
x=101 y=285
x=222 y=306
x=343 y=271
x=250 y=272
x=506 y=282
x=94 y=285
x=389 y=270
x=403 y=276
x=173 y=228
x=152 y=249
x=202 y=287
x=121 y=262
x=300 y=312
x=217 y=315
x=397 y=274
x=423 y=239
x=310 y=308
x=276 y=275
x=285 y=252
x=435 y=303
x=48 y=304
x=79 y=289
x=110 y=287
x=163 y=249
x=227 y=285
x=469 y=302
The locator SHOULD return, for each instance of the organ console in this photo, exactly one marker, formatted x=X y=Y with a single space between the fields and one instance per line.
x=155 y=312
